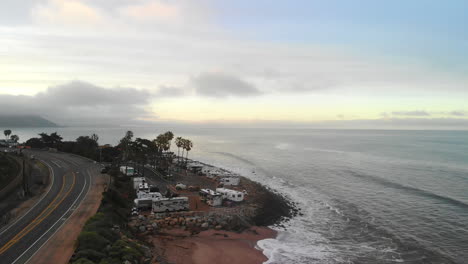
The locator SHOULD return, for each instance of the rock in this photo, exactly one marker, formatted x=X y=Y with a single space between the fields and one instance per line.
x=218 y=227
x=204 y=225
x=154 y=225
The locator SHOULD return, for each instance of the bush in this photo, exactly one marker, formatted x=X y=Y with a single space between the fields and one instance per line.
x=90 y=254
x=91 y=240
x=83 y=261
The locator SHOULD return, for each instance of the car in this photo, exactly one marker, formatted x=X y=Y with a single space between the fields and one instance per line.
x=105 y=170
x=180 y=186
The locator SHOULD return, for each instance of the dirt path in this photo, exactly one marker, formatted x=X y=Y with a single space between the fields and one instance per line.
x=61 y=245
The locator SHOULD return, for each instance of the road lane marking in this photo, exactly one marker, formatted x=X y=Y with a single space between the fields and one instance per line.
x=39 y=219
x=74 y=202
x=37 y=203
x=56 y=164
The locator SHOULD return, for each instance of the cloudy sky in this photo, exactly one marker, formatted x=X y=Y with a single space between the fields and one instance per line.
x=304 y=61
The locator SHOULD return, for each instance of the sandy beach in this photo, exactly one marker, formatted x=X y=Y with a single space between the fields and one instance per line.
x=211 y=246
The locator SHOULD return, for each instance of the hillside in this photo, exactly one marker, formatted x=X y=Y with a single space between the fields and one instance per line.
x=11 y=121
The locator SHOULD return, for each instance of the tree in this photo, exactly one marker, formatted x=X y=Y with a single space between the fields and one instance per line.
x=169 y=136
x=7 y=133
x=52 y=141
x=15 y=138
x=179 y=143
x=188 y=145
x=35 y=143
x=95 y=138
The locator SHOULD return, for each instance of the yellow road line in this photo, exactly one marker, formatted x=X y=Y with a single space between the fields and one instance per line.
x=40 y=218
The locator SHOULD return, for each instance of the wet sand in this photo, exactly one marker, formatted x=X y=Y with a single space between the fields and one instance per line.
x=211 y=246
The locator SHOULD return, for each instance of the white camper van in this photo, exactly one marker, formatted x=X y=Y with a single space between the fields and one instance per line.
x=170 y=204
x=231 y=195
x=211 y=197
x=229 y=180
x=148 y=195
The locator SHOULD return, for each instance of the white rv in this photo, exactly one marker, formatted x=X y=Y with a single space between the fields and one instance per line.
x=170 y=204
x=230 y=180
x=128 y=171
x=211 y=197
x=231 y=195
x=148 y=195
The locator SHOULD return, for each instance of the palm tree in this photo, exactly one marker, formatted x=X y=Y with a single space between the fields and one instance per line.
x=7 y=133
x=188 y=145
x=178 y=142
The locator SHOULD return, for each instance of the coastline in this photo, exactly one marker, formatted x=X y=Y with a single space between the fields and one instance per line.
x=211 y=246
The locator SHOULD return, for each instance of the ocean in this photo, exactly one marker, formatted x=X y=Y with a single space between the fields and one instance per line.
x=367 y=196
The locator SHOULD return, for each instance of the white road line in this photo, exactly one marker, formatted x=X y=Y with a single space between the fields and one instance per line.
x=56 y=164
x=60 y=219
x=37 y=203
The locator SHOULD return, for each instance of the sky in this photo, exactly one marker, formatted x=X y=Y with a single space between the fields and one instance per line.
x=304 y=62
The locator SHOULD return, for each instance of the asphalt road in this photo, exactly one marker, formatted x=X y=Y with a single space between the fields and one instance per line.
x=70 y=182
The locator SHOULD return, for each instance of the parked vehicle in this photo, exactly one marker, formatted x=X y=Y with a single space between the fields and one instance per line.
x=170 y=204
x=231 y=195
x=211 y=197
x=126 y=170
x=143 y=204
x=180 y=186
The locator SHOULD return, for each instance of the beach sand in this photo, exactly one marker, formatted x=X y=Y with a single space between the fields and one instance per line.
x=211 y=246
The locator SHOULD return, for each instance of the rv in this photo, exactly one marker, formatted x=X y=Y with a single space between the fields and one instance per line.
x=211 y=197
x=128 y=171
x=231 y=195
x=148 y=195
x=170 y=204
x=229 y=180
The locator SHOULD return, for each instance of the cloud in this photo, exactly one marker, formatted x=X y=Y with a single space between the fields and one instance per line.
x=458 y=113
x=80 y=103
x=411 y=113
x=152 y=10
x=73 y=12
x=170 y=91
x=216 y=84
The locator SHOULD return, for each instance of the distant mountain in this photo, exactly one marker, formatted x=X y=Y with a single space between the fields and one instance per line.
x=10 y=121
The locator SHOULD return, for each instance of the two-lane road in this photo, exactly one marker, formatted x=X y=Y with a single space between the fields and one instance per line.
x=71 y=179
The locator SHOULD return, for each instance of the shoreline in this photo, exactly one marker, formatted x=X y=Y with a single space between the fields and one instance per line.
x=211 y=246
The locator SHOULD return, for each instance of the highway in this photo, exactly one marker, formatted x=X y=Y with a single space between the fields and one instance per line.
x=71 y=177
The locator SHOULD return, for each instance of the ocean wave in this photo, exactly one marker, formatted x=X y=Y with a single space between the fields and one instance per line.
x=412 y=190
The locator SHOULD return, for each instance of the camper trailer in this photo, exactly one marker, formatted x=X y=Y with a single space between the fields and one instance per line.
x=128 y=171
x=211 y=197
x=148 y=195
x=137 y=181
x=170 y=204
x=231 y=195
x=230 y=180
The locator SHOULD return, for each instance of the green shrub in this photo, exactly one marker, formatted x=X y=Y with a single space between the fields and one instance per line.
x=83 y=261
x=90 y=254
x=91 y=240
